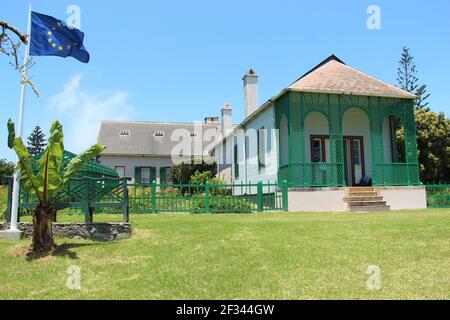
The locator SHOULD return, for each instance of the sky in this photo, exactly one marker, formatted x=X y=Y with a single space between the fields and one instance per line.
x=181 y=60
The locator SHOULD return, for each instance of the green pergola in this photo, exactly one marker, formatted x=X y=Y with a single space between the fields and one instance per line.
x=90 y=169
x=296 y=105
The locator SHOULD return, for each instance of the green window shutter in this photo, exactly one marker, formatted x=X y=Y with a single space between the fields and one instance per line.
x=162 y=175
x=137 y=175
x=152 y=174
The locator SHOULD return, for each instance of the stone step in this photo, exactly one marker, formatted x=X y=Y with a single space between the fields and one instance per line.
x=366 y=203
x=362 y=194
x=360 y=189
x=363 y=198
x=371 y=209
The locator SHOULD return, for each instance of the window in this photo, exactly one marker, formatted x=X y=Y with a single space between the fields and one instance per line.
x=236 y=158
x=165 y=175
x=158 y=133
x=169 y=178
x=125 y=133
x=120 y=171
x=194 y=134
x=318 y=152
x=145 y=175
x=261 y=148
x=356 y=152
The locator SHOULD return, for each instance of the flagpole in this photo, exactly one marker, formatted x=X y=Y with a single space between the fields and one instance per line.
x=16 y=184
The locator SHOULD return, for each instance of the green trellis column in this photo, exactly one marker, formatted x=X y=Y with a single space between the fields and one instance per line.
x=411 y=151
x=335 y=118
x=282 y=109
x=296 y=139
x=376 y=137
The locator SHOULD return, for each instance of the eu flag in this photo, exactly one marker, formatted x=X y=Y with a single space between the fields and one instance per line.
x=51 y=37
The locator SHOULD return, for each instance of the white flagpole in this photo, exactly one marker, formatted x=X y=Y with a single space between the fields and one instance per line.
x=16 y=184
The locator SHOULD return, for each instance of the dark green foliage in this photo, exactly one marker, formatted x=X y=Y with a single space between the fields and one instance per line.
x=183 y=172
x=36 y=142
x=6 y=169
x=408 y=80
x=433 y=139
x=433 y=130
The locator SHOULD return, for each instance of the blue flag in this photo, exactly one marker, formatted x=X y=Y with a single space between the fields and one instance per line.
x=51 y=37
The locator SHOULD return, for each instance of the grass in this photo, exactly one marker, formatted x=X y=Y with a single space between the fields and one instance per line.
x=257 y=256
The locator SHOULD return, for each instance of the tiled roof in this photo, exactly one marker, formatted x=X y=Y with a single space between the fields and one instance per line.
x=334 y=76
x=148 y=138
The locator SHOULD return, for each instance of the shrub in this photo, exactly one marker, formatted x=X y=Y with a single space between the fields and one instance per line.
x=183 y=172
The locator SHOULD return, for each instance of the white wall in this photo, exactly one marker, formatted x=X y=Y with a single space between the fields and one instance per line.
x=223 y=158
x=130 y=162
x=269 y=173
x=313 y=201
x=403 y=198
x=248 y=164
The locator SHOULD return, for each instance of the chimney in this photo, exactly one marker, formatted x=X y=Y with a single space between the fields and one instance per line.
x=251 y=101
x=212 y=120
x=227 y=121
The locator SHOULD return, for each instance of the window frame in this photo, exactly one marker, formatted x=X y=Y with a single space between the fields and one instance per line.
x=115 y=168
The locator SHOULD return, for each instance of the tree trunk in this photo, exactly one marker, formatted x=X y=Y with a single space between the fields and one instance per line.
x=42 y=229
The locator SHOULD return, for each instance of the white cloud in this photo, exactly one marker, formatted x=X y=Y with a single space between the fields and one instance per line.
x=80 y=112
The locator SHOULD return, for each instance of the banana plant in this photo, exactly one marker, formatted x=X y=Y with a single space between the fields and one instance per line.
x=52 y=177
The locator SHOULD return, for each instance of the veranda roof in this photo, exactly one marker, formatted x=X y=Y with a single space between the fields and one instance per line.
x=334 y=76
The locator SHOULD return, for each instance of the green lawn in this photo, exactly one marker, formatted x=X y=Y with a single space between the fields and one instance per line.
x=258 y=256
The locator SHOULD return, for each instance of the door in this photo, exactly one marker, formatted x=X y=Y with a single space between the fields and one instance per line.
x=348 y=163
x=354 y=160
x=358 y=171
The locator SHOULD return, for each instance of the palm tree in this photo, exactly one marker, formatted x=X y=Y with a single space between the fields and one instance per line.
x=51 y=178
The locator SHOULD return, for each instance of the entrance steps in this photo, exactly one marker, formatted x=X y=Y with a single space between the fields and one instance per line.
x=365 y=199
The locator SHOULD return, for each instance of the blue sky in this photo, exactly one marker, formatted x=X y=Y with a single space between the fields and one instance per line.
x=180 y=60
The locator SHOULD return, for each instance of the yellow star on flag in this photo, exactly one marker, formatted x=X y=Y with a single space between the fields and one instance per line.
x=49 y=39
x=49 y=33
x=61 y=48
x=54 y=45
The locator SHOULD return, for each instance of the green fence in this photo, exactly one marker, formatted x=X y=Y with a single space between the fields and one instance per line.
x=438 y=196
x=207 y=198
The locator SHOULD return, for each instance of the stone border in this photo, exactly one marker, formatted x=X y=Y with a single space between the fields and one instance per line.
x=93 y=231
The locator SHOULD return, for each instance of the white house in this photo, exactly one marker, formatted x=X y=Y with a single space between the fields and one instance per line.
x=331 y=136
x=332 y=129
